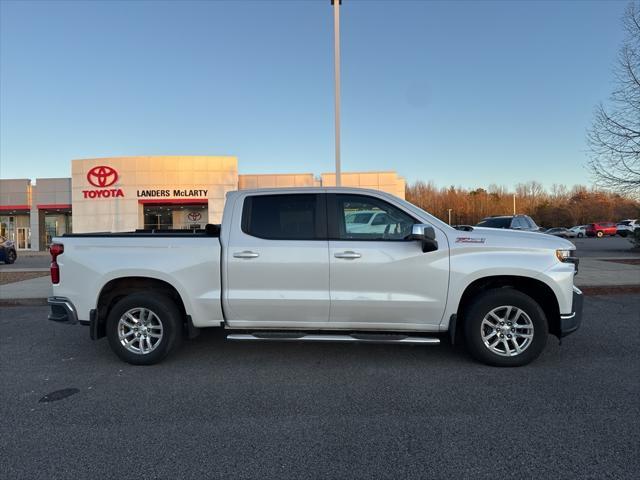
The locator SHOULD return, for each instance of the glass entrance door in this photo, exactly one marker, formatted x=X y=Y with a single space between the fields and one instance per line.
x=23 y=238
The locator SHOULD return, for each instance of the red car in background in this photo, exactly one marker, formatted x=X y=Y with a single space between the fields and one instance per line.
x=601 y=229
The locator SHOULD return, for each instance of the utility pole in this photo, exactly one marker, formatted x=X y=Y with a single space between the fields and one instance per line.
x=336 y=66
x=514 y=203
x=449 y=215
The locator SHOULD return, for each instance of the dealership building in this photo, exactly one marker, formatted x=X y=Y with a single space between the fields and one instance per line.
x=128 y=193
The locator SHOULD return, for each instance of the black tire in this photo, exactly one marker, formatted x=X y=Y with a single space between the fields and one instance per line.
x=494 y=299
x=623 y=233
x=166 y=312
x=580 y=235
x=11 y=257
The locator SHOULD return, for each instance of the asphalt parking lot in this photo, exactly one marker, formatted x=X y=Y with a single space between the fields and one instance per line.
x=614 y=247
x=217 y=409
x=28 y=260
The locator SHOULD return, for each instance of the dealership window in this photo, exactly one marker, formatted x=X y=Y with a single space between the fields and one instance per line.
x=177 y=217
x=17 y=229
x=56 y=224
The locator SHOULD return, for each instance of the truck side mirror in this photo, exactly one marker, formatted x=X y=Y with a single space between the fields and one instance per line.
x=426 y=235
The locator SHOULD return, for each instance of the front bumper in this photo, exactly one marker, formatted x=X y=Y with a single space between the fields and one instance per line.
x=569 y=323
x=62 y=310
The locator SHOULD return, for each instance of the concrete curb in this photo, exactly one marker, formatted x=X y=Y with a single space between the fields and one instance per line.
x=587 y=290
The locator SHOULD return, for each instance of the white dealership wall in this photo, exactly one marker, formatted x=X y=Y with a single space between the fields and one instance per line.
x=63 y=202
x=121 y=209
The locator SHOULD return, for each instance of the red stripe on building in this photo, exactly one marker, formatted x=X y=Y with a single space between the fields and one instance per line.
x=174 y=201
x=54 y=206
x=6 y=208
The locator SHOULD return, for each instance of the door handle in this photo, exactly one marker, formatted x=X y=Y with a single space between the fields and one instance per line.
x=246 y=254
x=349 y=255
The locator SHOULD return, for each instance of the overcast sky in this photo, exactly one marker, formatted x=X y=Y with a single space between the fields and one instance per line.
x=464 y=93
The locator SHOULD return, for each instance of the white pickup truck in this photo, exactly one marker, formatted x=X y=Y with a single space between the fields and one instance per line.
x=286 y=265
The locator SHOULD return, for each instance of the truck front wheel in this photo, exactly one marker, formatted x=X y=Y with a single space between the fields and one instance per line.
x=505 y=328
x=142 y=328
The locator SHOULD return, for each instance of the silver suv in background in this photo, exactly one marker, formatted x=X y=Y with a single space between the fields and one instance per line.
x=579 y=231
x=627 y=227
x=511 y=222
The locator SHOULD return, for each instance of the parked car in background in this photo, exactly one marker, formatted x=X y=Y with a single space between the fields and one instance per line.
x=369 y=221
x=561 y=232
x=601 y=229
x=8 y=253
x=579 y=230
x=511 y=222
x=626 y=227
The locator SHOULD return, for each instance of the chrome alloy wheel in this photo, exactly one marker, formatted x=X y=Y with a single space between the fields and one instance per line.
x=140 y=330
x=507 y=331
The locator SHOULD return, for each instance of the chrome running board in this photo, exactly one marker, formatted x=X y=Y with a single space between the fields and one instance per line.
x=354 y=337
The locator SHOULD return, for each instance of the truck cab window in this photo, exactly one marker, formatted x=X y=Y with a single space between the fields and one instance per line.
x=366 y=218
x=283 y=217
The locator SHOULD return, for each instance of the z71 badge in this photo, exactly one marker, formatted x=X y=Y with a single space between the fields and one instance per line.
x=469 y=240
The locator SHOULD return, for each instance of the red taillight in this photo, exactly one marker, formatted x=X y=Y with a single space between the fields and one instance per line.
x=55 y=273
x=55 y=249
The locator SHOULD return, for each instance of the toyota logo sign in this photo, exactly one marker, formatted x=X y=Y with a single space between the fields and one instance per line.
x=194 y=216
x=102 y=176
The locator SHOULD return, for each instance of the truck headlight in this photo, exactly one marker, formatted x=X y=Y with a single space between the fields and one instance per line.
x=563 y=255
x=567 y=256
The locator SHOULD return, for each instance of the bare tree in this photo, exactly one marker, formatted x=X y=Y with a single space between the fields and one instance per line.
x=614 y=138
x=528 y=194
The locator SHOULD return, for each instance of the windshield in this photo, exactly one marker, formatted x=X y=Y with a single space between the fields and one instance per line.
x=496 y=222
x=625 y=222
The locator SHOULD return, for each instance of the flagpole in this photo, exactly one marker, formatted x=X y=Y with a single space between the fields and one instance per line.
x=336 y=57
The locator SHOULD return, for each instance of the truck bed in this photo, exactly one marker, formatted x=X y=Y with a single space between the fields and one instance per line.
x=186 y=260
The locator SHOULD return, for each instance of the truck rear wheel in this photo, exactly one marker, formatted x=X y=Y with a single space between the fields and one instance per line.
x=505 y=328
x=142 y=328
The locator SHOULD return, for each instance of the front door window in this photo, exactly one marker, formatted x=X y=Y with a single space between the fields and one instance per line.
x=367 y=218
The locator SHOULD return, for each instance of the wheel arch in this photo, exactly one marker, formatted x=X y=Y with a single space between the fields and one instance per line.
x=539 y=291
x=117 y=288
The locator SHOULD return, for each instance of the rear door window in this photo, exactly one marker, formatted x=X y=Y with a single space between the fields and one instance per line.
x=285 y=217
